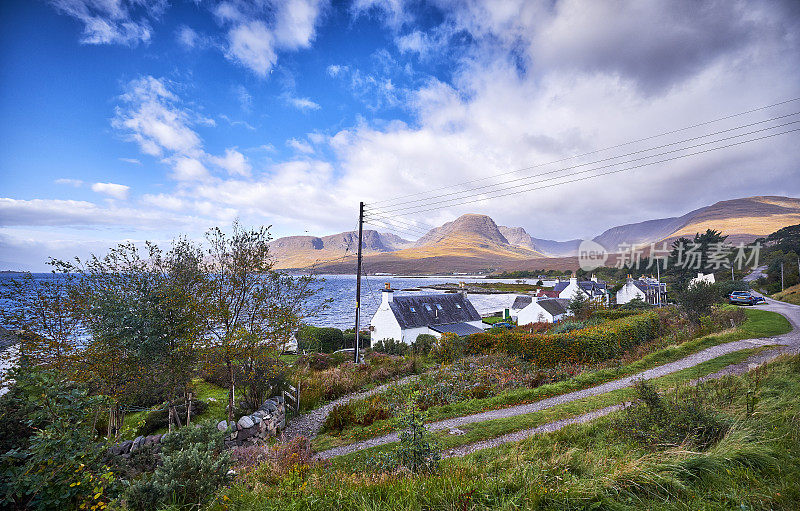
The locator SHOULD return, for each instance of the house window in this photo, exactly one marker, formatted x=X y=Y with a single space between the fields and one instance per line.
x=428 y=307
x=438 y=306
x=413 y=309
x=458 y=306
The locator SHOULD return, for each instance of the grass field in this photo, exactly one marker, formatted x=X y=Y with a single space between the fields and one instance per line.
x=759 y=323
x=755 y=465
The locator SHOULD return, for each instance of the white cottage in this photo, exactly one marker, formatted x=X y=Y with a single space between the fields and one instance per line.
x=592 y=289
x=708 y=278
x=545 y=310
x=648 y=290
x=403 y=318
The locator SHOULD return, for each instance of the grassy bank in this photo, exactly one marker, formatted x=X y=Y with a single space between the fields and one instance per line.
x=755 y=465
x=790 y=295
x=759 y=323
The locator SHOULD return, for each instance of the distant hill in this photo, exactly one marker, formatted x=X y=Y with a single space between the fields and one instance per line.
x=475 y=242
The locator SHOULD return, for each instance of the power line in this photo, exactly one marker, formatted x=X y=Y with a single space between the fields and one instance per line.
x=611 y=172
x=446 y=203
x=765 y=107
x=601 y=160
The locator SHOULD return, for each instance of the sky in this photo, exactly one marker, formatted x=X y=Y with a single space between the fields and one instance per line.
x=149 y=119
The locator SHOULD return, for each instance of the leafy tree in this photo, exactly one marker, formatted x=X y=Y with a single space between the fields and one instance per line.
x=417 y=450
x=579 y=305
x=44 y=309
x=252 y=310
x=698 y=299
x=423 y=343
x=58 y=463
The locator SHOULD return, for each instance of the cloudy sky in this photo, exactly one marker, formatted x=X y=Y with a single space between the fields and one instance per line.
x=146 y=119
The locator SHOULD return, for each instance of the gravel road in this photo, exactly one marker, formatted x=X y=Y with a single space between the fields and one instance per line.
x=788 y=343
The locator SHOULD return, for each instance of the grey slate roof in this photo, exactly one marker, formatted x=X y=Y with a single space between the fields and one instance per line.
x=591 y=287
x=441 y=309
x=521 y=301
x=646 y=286
x=560 y=286
x=459 y=329
x=554 y=306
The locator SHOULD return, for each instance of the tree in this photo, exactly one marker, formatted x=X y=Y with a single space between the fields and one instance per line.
x=252 y=310
x=58 y=463
x=145 y=317
x=44 y=309
x=698 y=299
x=579 y=305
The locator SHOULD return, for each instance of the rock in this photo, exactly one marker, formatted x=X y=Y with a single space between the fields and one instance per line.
x=456 y=431
x=137 y=443
x=125 y=447
x=222 y=425
x=255 y=418
x=151 y=440
x=245 y=422
x=269 y=406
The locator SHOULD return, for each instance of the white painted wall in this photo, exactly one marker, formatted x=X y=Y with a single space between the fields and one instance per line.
x=384 y=325
x=629 y=292
x=535 y=313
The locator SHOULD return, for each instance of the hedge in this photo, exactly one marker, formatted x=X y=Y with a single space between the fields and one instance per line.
x=592 y=344
x=615 y=314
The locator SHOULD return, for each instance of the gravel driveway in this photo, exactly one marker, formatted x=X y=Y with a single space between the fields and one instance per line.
x=788 y=343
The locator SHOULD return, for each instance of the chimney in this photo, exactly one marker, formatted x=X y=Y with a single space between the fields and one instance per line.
x=573 y=279
x=387 y=295
x=462 y=289
x=593 y=279
x=630 y=279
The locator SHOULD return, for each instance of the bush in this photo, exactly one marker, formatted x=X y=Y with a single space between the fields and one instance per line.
x=447 y=349
x=591 y=344
x=391 y=347
x=316 y=361
x=423 y=343
x=567 y=325
x=698 y=299
x=58 y=464
x=417 y=450
x=662 y=422
x=156 y=420
x=195 y=464
x=324 y=340
x=358 y=412
x=615 y=314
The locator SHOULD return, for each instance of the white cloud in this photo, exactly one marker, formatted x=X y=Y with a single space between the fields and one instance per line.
x=71 y=182
x=258 y=31
x=185 y=168
x=336 y=69
x=187 y=37
x=152 y=118
x=132 y=161
x=303 y=104
x=233 y=161
x=299 y=145
x=244 y=97
x=112 y=189
x=164 y=201
x=124 y=22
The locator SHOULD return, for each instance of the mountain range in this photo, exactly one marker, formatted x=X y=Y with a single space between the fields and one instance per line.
x=475 y=242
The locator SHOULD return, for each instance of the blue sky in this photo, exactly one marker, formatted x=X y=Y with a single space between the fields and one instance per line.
x=146 y=119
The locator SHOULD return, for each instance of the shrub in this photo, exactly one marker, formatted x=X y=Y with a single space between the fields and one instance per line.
x=423 y=343
x=340 y=417
x=195 y=464
x=663 y=422
x=156 y=420
x=325 y=340
x=591 y=344
x=391 y=347
x=316 y=361
x=615 y=314
x=417 y=450
x=58 y=464
x=357 y=412
x=698 y=299
x=447 y=349
x=567 y=325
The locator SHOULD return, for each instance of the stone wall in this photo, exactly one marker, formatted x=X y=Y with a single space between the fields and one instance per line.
x=268 y=421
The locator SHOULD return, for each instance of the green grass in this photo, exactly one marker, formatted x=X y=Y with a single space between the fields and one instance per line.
x=756 y=465
x=478 y=431
x=204 y=390
x=759 y=323
x=493 y=320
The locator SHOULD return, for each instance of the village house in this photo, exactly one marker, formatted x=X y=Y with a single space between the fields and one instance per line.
x=542 y=310
x=592 y=289
x=647 y=289
x=708 y=278
x=403 y=318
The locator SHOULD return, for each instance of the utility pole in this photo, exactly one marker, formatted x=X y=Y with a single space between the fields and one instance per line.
x=781 y=275
x=358 y=281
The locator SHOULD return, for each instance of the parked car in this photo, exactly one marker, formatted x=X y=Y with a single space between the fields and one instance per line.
x=507 y=326
x=745 y=298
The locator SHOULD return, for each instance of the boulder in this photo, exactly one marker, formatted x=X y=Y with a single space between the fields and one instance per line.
x=245 y=422
x=137 y=443
x=223 y=425
x=125 y=447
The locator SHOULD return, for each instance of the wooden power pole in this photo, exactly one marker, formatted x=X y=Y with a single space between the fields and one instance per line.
x=358 y=281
